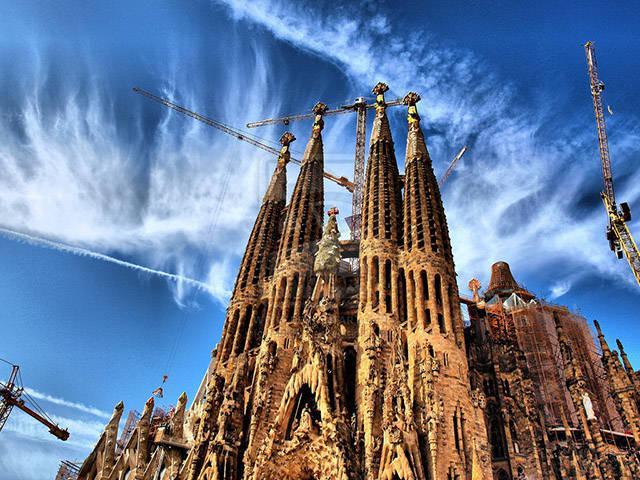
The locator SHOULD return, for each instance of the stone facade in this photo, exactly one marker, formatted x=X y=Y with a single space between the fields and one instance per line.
x=330 y=368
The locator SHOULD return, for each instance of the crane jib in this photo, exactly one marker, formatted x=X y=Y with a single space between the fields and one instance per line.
x=234 y=133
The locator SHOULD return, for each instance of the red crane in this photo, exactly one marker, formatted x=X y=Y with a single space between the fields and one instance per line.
x=12 y=394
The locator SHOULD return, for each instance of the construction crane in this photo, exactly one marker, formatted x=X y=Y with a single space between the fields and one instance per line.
x=620 y=239
x=12 y=394
x=452 y=166
x=342 y=181
x=360 y=107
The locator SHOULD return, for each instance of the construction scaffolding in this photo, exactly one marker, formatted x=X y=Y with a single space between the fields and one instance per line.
x=68 y=470
x=537 y=337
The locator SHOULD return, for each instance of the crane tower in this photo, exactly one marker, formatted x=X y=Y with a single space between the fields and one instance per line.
x=620 y=239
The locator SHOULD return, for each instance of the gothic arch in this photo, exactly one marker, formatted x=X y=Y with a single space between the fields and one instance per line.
x=312 y=378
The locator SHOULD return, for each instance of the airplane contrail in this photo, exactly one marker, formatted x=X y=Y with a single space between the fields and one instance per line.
x=83 y=252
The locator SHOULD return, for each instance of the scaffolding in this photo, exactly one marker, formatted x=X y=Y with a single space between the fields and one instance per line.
x=68 y=470
x=536 y=334
x=127 y=430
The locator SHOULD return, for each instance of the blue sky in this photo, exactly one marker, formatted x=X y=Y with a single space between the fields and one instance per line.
x=86 y=162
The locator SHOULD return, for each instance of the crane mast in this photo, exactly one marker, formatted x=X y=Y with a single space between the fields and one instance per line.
x=620 y=239
x=360 y=107
x=342 y=181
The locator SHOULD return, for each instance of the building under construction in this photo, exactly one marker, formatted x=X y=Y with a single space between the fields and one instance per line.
x=351 y=359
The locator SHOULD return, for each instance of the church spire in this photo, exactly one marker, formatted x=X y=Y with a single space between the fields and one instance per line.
x=245 y=318
x=382 y=203
x=303 y=225
x=621 y=386
x=625 y=360
x=425 y=225
x=258 y=262
x=111 y=437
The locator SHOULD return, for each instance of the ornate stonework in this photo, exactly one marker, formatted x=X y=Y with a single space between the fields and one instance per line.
x=329 y=369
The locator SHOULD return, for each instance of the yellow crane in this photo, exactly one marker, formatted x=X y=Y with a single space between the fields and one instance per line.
x=620 y=239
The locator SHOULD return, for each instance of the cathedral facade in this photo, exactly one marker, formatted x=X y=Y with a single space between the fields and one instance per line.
x=351 y=359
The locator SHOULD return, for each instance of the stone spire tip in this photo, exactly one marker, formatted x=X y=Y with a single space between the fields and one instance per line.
x=380 y=88
x=597 y=325
x=320 y=108
x=287 y=138
x=411 y=98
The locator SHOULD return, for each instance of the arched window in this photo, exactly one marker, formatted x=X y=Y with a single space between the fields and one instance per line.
x=438 y=288
x=364 y=285
x=387 y=285
x=497 y=438
x=402 y=296
x=258 y=326
x=292 y=296
x=502 y=475
x=241 y=332
x=425 y=285
x=375 y=272
x=349 y=376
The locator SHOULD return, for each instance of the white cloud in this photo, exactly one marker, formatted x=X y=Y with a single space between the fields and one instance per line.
x=67 y=403
x=181 y=202
x=29 y=451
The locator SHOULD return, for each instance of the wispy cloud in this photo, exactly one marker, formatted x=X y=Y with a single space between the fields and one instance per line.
x=83 y=252
x=516 y=196
x=29 y=451
x=67 y=403
x=172 y=195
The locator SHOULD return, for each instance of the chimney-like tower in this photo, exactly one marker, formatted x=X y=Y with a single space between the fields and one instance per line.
x=503 y=284
x=247 y=310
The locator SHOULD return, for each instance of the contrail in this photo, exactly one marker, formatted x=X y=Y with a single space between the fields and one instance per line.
x=83 y=252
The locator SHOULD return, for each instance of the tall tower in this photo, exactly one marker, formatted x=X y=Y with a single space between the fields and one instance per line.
x=291 y=286
x=378 y=319
x=220 y=429
x=448 y=416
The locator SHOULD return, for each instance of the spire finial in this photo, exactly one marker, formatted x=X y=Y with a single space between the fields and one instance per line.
x=603 y=341
x=597 y=325
x=474 y=286
x=620 y=346
x=410 y=100
x=285 y=141
x=379 y=91
x=287 y=138
x=319 y=110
